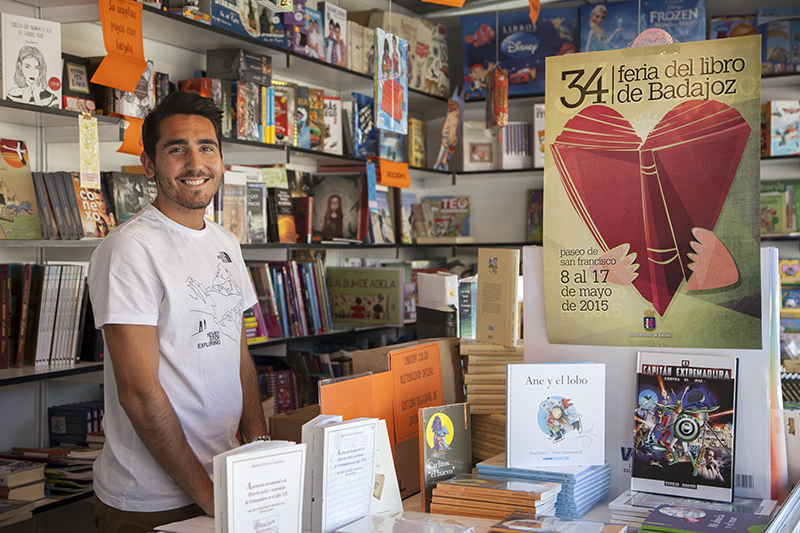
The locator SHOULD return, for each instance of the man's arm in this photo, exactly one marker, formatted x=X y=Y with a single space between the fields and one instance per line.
x=133 y=351
x=253 y=423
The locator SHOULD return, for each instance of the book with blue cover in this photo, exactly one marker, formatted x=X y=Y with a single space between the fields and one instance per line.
x=364 y=125
x=391 y=82
x=780 y=40
x=520 y=46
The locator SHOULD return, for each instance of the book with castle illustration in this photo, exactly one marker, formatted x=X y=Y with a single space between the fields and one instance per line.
x=569 y=427
x=684 y=425
x=649 y=170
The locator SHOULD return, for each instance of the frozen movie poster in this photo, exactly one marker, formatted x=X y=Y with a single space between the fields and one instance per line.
x=653 y=194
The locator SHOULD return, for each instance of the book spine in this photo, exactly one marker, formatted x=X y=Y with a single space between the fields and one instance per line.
x=43 y=204
x=68 y=180
x=58 y=213
x=301 y=296
x=281 y=302
x=66 y=209
x=5 y=290
x=25 y=298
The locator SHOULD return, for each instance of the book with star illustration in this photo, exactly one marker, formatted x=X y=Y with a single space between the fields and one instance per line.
x=647 y=182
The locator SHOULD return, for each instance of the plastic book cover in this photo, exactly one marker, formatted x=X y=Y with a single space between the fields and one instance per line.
x=20 y=215
x=684 y=425
x=534 y=231
x=445 y=446
x=642 y=247
x=337 y=204
x=334 y=19
x=31 y=60
x=364 y=125
x=366 y=296
x=520 y=46
x=570 y=419
x=779 y=29
x=316 y=39
x=450 y=214
x=688 y=519
x=722 y=27
x=391 y=82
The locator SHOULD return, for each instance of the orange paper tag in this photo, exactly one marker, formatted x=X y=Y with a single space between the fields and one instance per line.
x=453 y=3
x=394 y=174
x=535 y=6
x=122 y=36
x=417 y=375
x=132 y=142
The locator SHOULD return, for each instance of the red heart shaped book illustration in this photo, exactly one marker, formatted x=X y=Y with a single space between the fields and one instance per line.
x=651 y=195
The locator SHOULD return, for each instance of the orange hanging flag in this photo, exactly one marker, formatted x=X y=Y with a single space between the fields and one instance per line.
x=132 y=142
x=121 y=21
x=535 y=8
x=452 y=3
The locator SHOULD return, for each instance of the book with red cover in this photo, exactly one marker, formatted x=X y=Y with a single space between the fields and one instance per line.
x=287 y=392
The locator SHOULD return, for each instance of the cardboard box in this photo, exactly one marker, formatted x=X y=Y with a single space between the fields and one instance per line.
x=406 y=458
x=289 y=426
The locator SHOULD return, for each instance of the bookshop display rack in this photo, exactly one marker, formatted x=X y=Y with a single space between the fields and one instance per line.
x=30 y=390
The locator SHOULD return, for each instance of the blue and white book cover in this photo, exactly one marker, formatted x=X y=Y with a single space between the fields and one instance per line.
x=780 y=40
x=364 y=125
x=522 y=48
x=316 y=38
x=238 y=16
x=391 y=82
x=568 y=404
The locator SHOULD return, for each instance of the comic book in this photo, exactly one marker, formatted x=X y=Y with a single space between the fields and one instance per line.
x=684 y=425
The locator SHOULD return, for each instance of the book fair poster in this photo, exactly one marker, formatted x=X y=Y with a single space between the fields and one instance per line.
x=652 y=181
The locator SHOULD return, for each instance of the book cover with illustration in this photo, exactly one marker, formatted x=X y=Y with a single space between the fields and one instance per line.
x=632 y=255
x=688 y=519
x=445 y=446
x=391 y=82
x=684 y=425
x=366 y=296
x=31 y=60
x=778 y=27
x=450 y=215
x=97 y=214
x=784 y=124
x=520 y=46
x=332 y=141
x=234 y=210
x=534 y=231
x=364 y=125
x=337 y=204
x=130 y=193
x=19 y=216
x=316 y=117
x=569 y=428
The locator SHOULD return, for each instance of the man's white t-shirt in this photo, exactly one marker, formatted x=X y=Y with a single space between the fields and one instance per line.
x=193 y=285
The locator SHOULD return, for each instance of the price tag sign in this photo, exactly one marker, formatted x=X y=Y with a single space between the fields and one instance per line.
x=89 y=151
x=121 y=21
x=394 y=174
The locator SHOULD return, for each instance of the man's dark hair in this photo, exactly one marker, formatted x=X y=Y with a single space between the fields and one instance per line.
x=178 y=103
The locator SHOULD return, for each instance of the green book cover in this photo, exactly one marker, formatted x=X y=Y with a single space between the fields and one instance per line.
x=366 y=296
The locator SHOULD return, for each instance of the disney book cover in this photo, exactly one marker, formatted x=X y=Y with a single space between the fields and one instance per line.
x=445 y=446
x=567 y=404
x=683 y=442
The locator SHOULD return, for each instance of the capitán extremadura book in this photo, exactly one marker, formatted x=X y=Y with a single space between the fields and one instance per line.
x=648 y=169
x=684 y=425
x=445 y=446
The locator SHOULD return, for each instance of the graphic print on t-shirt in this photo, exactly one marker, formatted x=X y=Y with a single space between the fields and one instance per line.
x=218 y=309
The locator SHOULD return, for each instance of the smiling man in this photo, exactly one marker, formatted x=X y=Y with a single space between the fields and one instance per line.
x=169 y=288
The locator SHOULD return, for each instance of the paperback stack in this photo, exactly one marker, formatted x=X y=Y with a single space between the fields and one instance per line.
x=633 y=507
x=67 y=470
x=517 y=522
x=490 y=497
x=488 y=436
x=485 y=375
x=690 y=519
x=13 y=511
x=21 y=480
x=582 y=486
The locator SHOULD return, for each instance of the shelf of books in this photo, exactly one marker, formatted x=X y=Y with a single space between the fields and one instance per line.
x=57 y=124
x=26 y=374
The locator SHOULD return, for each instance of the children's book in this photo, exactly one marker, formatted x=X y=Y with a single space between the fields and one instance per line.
x=390 y=145
x=533 y=228
x=569 y=404
x=451 y=129
x=450 y=214
x=20 y=216
x=784 y=120
x=684 y=425
x=778 y=29
x=332 y=141
x=334 y=19
x=316 y=117
x=689 y=519
x=381 y=220
x=366 y=296
x=391 y=82
x=480 y=147
x=256 y=213
x=303 y=125
x=445 y=446
x=337 y=203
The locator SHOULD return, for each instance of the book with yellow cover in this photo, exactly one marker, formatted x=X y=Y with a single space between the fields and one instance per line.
x=498 y=277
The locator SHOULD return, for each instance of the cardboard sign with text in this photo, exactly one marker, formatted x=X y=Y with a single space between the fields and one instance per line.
x=417 y=377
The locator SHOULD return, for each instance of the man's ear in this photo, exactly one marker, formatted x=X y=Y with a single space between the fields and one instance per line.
x=147 y=164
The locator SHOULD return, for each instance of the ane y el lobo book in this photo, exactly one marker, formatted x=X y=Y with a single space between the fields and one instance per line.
x=570 y=419
x=259 y=487
x=444 y=446
x=684 y=425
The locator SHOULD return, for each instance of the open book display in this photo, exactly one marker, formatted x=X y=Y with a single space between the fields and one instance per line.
x=667 y=190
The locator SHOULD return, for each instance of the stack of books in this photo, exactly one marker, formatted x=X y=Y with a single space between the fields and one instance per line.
x=691 y=519
x=67 y=471
x=21 y=480
x=633 y=507
x=490 y=497
x=488 y=436
x=516 y=522
x=485 y=376
x=13 y=511
x=583 y=487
